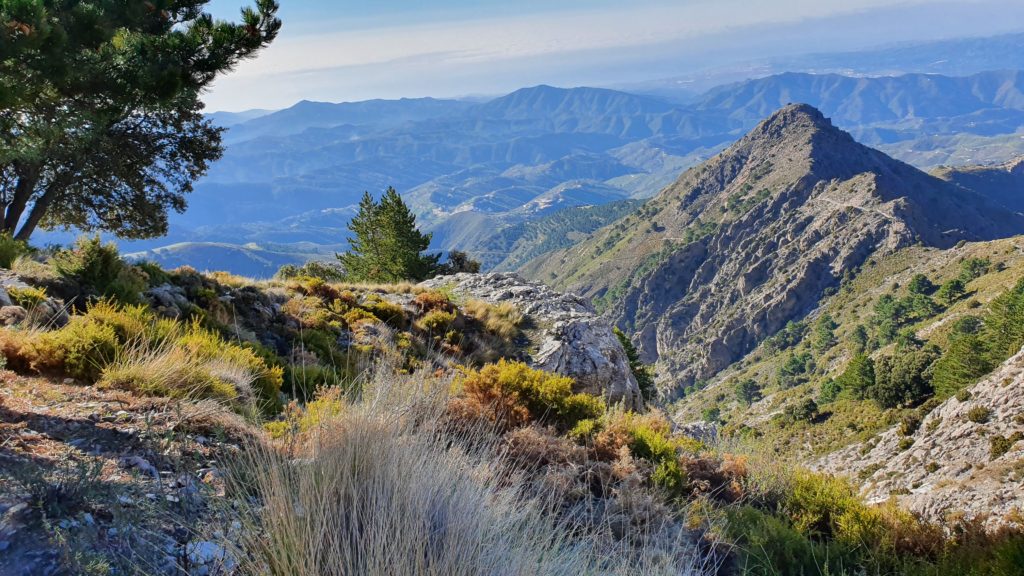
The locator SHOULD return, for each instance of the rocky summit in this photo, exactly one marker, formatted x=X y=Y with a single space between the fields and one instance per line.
x=753 y=238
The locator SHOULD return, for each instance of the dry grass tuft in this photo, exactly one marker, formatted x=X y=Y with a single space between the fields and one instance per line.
x=384 y=485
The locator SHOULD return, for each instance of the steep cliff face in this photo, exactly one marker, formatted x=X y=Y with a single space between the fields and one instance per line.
x=967 y=457
x=751 y=239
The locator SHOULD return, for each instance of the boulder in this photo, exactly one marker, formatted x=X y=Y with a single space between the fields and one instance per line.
x=12 y=315
x=567 y=336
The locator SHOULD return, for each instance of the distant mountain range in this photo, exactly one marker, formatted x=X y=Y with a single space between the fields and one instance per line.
x=476 y=171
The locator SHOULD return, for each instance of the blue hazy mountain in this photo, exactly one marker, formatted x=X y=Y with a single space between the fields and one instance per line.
x=472 y=170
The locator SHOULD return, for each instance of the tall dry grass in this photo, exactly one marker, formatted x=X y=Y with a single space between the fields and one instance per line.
x=388 y=488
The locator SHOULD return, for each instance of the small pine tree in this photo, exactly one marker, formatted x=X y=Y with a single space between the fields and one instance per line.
x=858 y=377
x=747 y=391
x=459 y=261
x=824 y=336
x=642 y=372
x=920 y=284
x=387 y=247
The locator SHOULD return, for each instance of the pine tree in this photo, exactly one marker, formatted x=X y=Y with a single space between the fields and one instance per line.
x=387 y=246
x=824 y=336
x=102 y=126
x=643 y=373
x=747 y=391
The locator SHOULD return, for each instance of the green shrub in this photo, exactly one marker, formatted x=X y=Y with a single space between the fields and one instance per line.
x=910 y=423
x=11 y=249
x=1000 y=445
x=155 y=275
x=769 y=546
x=98 y=267
x=904 y=378
x=963 y=395
x=979 y=414
x=789 y=336
x=802 y=411
x=303 y=381
x=830 y=390
x=656 y=447
x=905 y=443
x=794 y=370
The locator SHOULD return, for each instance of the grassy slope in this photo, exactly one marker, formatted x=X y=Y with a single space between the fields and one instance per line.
x=852 y=420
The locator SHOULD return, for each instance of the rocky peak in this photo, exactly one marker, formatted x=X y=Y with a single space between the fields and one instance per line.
x=751 y=239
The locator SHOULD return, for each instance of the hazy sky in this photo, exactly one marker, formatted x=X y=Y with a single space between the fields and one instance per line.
x=341 y=50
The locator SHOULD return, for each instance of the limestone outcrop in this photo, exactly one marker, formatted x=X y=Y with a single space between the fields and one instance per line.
x=566 y=334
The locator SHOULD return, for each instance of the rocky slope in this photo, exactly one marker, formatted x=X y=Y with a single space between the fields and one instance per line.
x=967 y=457
x=751 y=239
x=566 y=335
x=1003 y=183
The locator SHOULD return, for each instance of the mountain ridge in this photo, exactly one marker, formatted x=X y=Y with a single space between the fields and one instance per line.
x=751 y=239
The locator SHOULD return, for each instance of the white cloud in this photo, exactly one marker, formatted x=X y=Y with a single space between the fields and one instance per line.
x=323 y=59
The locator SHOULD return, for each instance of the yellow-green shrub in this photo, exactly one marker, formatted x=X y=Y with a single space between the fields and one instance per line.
x=436 y=321
x=168 y=371
x=513 y=394
x=27 y=297
x=353 y=318
x=82 y=349
x=390 y=313
x=300 y=419
x=208 y=346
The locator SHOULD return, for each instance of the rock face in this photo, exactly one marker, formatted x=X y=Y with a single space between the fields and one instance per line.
x=751 y=239
x=567 y=336
x=1002 y=183
x=967 y=457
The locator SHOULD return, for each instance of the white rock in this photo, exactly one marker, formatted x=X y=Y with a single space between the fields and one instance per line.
x=209 y=555
x=573 y=340
x=949 y=467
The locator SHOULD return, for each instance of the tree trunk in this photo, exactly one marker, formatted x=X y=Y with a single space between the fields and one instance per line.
x=39 y=208
x=28 y=177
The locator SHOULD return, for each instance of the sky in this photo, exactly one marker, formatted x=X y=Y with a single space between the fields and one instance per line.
x=346 y=50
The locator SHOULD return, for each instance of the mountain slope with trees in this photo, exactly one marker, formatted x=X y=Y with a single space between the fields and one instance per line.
x=753 y=238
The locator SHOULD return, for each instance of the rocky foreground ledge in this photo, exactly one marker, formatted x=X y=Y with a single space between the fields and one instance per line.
x=566 y=335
